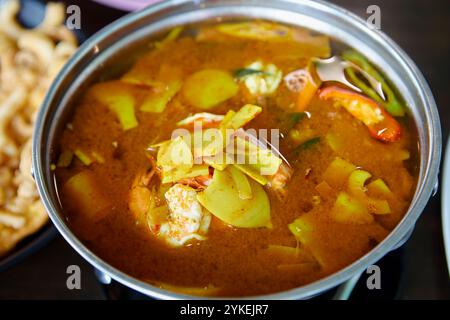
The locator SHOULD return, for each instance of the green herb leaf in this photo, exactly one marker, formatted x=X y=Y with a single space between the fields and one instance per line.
x=295 y=118
x=307 y=144
x=244 y=72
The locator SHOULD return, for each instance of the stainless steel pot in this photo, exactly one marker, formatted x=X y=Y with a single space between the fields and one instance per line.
x=323 y=17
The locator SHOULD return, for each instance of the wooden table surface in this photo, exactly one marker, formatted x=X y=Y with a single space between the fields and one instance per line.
x=422 y=29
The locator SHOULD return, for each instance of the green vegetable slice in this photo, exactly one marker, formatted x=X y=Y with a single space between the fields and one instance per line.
x=379 y=188
x=83 y=157
x=301 y=229
x=256 y=158
x=252 y=173
x=246 y=114
x=337 y=172
x=241 y=182
x=334 y=141
x=392 y=105
x=290 y=254
x=65 y=159
x=291 y=121
x=123 y=107
x=307 y=145
x=170 y=37
x=347 y=209
x=356 y=182
x=119 y=97
x=244 y=72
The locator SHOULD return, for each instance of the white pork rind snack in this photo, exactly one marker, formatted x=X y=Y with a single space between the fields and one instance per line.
x=29 y=61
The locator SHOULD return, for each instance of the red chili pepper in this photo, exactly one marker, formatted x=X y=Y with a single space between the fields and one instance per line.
x=381 y=125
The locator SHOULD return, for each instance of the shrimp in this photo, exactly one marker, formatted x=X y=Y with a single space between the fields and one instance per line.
x=177 y=221
x=187 y=219
x=140 y=196
x=280 y=179
x=199 y=182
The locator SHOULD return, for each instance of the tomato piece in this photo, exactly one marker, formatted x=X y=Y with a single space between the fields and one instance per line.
x=381 y=125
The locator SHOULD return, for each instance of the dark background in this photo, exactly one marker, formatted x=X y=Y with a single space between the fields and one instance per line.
x=422 y=29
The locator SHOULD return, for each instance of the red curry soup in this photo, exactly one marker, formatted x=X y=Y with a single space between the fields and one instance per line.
x=220 y=164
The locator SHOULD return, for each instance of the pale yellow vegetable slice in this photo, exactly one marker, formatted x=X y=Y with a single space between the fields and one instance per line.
x=324 y=190
x=207 y=88
x=241 y=182
x=119 y=97
x=221 y=198
x=334 y=141
x=157 y=100
x=378 y=206
x=219 y=161
x=214 y=141
x=98 y=157
x=356 y=182
x=267 y=163
x=256 y=30
x=206 y=291
x=246 y=114
x=123 y=107
x=182 y=173
x=220 y=138
x=337 y=172
x=85 y=197
x=302 y=230
x=83 y=157
x=159 y=144
x=252 y=173
x=290 y=254
x=299 y=268
x=379 y=188
x=65 y=159
x=176 y=154
x=170 y=37
x=258 y=159
x=402 y=155
x=348 y=209
x=139 y=75
x=227 y=119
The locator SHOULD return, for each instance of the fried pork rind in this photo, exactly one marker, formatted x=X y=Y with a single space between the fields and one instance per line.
x=29 y=61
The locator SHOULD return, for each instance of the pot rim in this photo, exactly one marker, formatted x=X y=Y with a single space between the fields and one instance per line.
x=423 y=191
